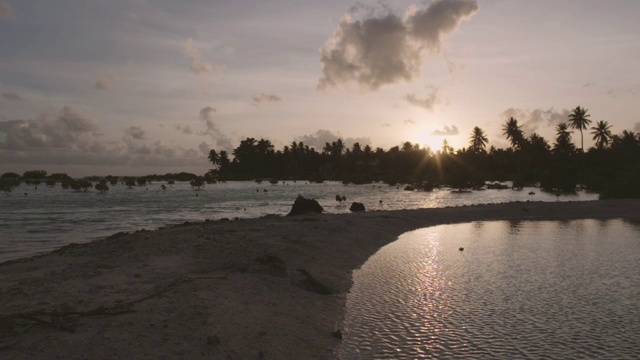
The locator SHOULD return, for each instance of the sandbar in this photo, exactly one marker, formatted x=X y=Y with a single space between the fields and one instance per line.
x=273 y=287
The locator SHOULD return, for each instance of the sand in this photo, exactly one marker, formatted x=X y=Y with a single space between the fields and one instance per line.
x=272 y=288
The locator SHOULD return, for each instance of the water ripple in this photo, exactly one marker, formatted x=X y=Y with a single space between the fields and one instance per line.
x=546 y=290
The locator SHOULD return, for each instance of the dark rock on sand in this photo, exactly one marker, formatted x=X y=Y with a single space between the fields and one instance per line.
x=356 y=206
x=303 y=205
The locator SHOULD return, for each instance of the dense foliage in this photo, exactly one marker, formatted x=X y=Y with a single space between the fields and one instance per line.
x=611 y=167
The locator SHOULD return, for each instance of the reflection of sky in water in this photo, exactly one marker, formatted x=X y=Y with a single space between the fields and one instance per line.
x=519 y=289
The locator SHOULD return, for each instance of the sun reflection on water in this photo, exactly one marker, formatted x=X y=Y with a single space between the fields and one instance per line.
x=519 y=289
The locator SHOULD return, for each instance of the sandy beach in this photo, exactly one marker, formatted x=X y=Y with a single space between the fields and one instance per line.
x=272 y=288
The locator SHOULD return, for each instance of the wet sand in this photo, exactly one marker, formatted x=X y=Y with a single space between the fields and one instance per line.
x=271 y=288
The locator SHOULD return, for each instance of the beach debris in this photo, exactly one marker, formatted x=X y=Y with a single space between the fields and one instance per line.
x=303 y=205
x=337 y=334
x=356 y=206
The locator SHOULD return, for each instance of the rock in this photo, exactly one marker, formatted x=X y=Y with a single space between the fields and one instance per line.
x=356 y=206
x=304 y=206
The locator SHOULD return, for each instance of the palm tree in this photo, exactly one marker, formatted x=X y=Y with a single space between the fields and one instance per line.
x=514 y=133
x=601 y=134
x=563 y=140
x=214 y=157
x=478 y=141
x=578 y=120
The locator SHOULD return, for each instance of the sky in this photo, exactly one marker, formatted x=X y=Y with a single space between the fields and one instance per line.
x=137 y=87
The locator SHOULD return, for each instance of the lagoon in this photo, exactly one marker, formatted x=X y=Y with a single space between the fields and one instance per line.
x=519 y=289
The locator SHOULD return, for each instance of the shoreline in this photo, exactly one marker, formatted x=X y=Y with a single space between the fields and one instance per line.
x=271 y=287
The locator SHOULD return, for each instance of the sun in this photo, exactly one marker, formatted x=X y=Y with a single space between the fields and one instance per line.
x=426 y=140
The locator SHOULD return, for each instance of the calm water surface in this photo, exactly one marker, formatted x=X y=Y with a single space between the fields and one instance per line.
x=48 y=218
x=534 y=290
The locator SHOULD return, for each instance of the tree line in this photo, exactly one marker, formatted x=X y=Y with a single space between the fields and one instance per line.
x=611 y=167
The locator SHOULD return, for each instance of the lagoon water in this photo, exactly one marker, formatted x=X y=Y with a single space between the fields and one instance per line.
x=48 y=218
x=531 y=290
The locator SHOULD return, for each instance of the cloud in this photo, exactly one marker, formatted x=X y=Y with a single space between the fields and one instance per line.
x=532 y=119
x=386 y=125
x=322 y=136
x=427 y=103
x=265 y=97
x=409 y=122
x=6 y=11
x=204 y=148
x=448 y=131
x=441 y=17
x=66 y=128
x=11 y=96
x=67 y=137
x=184 y=129
x=222 y=141
x=384 y=49
x=616 y=92
x=106 y=81
x=198 y=64
x=134 y=132
x=636 y=127
x=589 y=84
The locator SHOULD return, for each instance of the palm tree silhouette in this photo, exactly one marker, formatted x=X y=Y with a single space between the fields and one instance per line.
x=563 y=139
x=514 y=133
x=601 y=134
x=478 y=141
x=578 y=120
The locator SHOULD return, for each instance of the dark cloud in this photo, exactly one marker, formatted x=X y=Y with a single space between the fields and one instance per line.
x=531 y=120
x=409 y=122
x=198 y=64
x=11 y=96
x=441 y=17
x=427 y=102
x=134 y=132
x=184 y=129
x=107 y=81
x=6 y=11
x=322 y=136
x=66 y=128
x=383 y=48
x=221 y=140
x=69 y=138
x=447 y=131
x=589 y=84
x=265 y=97
x=204 y=148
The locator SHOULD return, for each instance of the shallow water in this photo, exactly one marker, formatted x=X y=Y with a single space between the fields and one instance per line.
x=48 y=218
x=557 y=290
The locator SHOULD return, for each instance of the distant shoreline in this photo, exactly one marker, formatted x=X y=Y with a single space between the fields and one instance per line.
x=270 y=286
